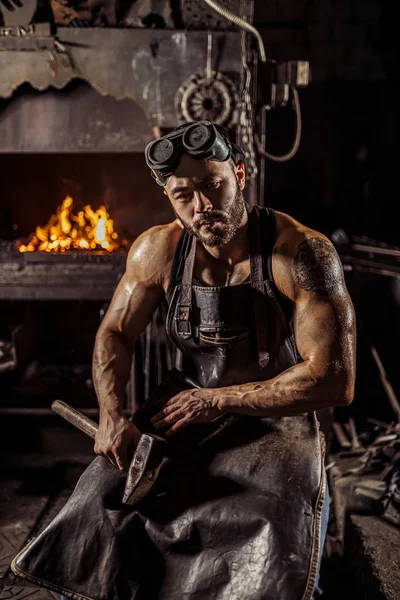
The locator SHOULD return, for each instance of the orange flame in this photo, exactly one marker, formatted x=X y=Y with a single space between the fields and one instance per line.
x=88 y=230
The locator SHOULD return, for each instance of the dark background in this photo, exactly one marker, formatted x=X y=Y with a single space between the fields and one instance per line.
x=344 y=174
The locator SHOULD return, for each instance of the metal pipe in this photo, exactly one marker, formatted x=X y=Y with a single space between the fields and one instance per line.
x=240 y=23
x=283 y=157
x=263 y=140
x=375 y=250
x=39 y=412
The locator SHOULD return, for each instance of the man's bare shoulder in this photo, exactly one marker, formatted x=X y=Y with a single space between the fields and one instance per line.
x=151 y=254
x=304 y=260
x=292 y=232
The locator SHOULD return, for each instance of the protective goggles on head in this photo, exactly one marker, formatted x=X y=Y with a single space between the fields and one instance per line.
x=201 y=140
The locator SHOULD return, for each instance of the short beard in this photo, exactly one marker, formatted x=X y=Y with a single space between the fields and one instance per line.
x=232 y=216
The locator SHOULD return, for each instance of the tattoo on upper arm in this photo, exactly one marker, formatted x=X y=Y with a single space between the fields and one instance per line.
x=317 y=267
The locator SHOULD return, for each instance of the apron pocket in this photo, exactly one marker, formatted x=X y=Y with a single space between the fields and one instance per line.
x=222 y=337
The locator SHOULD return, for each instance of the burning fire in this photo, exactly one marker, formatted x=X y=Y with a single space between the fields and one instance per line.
x=88 y=230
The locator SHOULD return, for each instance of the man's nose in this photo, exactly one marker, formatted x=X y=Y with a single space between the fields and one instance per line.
x=202 y=203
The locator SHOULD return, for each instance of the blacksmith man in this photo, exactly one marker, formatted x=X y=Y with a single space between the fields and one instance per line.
x=258 y=305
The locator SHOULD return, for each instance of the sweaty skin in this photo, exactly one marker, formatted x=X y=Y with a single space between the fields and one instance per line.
x=306 y=270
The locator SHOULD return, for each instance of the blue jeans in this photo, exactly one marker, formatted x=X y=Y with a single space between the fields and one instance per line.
x=324 y=527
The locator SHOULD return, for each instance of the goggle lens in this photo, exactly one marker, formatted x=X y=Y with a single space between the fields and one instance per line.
x=161 y=151
x=196 y=137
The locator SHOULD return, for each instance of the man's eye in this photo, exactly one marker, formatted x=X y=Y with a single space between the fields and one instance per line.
x=184 y=197
x=213 y=185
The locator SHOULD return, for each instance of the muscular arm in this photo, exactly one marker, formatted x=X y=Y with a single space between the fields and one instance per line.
x=131 y=308
x=307 y=270
x=136 y=298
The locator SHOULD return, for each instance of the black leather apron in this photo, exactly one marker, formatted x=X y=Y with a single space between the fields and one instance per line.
x=235 y=513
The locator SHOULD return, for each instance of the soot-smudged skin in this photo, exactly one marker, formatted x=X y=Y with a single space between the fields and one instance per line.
x=317 y=268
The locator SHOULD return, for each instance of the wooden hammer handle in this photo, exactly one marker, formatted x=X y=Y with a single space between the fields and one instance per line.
x=75 y=417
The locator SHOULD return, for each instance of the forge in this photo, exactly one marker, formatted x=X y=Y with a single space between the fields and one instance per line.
x=82 y=275
x=73 y=257
x=74 y=122
x=64 y=239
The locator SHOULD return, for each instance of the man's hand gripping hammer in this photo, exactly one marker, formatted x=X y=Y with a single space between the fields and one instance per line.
x=146 y=461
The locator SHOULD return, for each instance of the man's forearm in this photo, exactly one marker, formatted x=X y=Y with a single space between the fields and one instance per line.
x=295 y=391
x=112 y=359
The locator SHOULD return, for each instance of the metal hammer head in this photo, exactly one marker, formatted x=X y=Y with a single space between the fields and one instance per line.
x=144 y=468
x=146 y=461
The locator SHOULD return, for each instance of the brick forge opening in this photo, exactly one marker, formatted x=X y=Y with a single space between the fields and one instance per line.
x=34 y=185
x=51 y=305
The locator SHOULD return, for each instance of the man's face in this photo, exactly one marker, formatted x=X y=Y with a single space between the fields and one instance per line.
x=207 y=198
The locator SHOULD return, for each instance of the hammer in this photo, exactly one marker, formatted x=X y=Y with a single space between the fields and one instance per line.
x=146 y=461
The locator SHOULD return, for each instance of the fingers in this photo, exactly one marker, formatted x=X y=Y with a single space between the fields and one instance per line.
x=100 y=451
x=180 y=420
x=115 y=438
x=168 y=415
x=181 y=424
x=110 y=457
x=118 y=457
x=169 y=407
x=121 y=458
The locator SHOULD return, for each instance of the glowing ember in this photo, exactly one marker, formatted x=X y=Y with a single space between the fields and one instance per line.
x=88 y=230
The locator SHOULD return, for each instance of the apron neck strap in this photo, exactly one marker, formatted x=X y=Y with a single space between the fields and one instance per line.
x=257 y=285
x=184 y=314
x=184 y=308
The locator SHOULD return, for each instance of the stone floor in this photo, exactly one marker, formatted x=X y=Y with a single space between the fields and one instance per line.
x=373 y=547
x=33 y=490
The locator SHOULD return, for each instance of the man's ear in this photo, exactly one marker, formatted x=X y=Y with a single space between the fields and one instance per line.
x=241 y=174
x=165 y=192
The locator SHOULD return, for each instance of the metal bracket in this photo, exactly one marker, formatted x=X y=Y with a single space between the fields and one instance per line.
x=36 y=36
x=184 y=327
